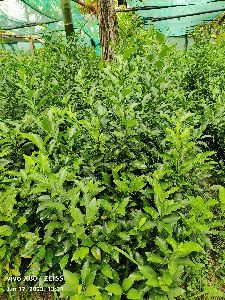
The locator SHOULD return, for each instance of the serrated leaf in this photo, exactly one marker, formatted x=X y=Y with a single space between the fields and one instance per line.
x=125 y=254
x=53 y=224
x=159 y=37
x=106 y=270
x=142 y=222
x=115 y=289
x=64 y=261
x=162 y=245
x=21 y=221
x=148 y=272
x=35 y=139
x=71 y=279
x=214 y=292
x=91 y=291
x=126 y=91
x=121 y=209
x=29 y=160
x=158 y=297
x=85 y=271
x=172 y=266
x=175 y=292
x=152 y=212
x=173 y=243
x=136 y=275
x=127 y=283
x=106 y=205
x=5 y=230
x=154 y=282
x=124 y=236
x=137 y=183
x=189 y=247
x=90 y=278
x=170 y=219
x=115 y=255
x=155 y=258
x=91 y=211
x=51 y=205
x=22 y=73
x=133 y=294
x=105 y=247
x=80 y=253
x=47 y=124
x=96 y=252
x=2 y=251
x=77 y=216
x=122 y=185
x=62 y=176
x=128 y=52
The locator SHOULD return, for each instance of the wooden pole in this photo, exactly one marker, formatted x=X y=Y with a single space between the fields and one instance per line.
x=67 y=16
x=20 y=36
x=32 y=45
x=108 y=27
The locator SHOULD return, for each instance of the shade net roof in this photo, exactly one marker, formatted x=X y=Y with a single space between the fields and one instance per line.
x=26 y=16
x=177 y=17
x=172 y=17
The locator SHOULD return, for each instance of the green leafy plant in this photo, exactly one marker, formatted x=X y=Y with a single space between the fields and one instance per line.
x=106 y=174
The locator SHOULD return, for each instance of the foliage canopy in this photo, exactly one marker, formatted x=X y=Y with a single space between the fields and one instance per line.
x=107 y=170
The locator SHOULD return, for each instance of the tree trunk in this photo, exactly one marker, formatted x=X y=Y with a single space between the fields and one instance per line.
x=67 y=16
x=108 y=27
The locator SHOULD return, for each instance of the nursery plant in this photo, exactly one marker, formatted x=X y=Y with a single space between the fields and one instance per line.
x=109 y=178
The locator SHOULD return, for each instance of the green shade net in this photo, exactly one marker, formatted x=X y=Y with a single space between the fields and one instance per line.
x=23 y=17
x=172 y=17
x=180 y=16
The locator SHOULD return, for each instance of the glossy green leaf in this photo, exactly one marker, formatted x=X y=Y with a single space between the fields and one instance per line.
x=96 y=252
x=64 y=261
x=115 y=289
x=2 y=251
x=162 y=245
x=175 y=292
x=22 y=220
x=133 y=294
x=92 y=290
x=155 y=258
x=127 y=283
x=91 y=211
x=77 y=216
x=172 y=266
x=106 y=270
x=80 y=253
x=51 y=205
x=85 y=271
x=35 y=139
x=71 y=280
x=188 y=247
x=105 y=247
x=148 y=272
x=5 y=230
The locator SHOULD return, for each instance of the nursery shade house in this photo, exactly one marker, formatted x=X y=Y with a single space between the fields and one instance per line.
x=112 y=179
x=172 y=17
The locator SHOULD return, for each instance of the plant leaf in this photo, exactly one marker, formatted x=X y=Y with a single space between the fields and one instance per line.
x=115 y=289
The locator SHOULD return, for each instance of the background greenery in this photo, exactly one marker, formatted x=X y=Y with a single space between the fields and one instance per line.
x=112 y=173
